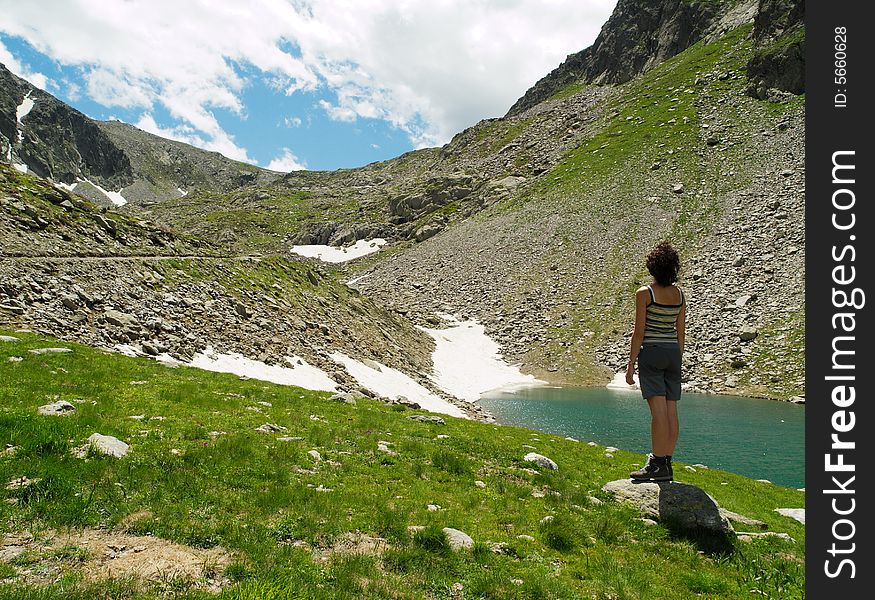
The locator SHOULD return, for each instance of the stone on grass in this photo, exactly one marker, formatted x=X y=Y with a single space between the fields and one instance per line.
x=107 y=444
x=61 y=407
x=269 y=428
x=427 y=419
x=793 y=513
x=540 y=460
x=50 y=350
x=682 y=505
x=343 y=397
x=737 y=518
x=480 y=484
x=8 y=338
x=746 y=536
x=315 y=455
x=458 y=539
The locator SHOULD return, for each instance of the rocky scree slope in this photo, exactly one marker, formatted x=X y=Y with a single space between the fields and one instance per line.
x=681 y=152
x=45 y=136
x=78 y=272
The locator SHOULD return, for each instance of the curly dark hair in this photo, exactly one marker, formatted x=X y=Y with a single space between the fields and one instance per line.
x=663 y=263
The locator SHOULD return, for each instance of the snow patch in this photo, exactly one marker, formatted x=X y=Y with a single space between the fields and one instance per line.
x=333 y=254
x=467 y=362
x=21 y=168
x=299 y=373
x=21 y=112
x=392 y=383
x=66 y=186
x=24 y=108
x=357 y=279
x=114 y=197
x=619 y=382
x=127 y=350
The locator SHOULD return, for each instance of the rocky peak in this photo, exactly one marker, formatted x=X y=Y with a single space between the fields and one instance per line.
x=55 y=140
x=639 y=35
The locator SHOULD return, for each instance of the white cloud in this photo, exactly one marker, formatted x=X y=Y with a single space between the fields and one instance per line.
x=286 y=162
x=292 y=121
x=23 y=71
x=219 y=141
x=430 y=68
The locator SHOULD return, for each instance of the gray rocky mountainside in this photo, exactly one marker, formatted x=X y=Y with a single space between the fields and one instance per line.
x=535 y=223
x=56 y=141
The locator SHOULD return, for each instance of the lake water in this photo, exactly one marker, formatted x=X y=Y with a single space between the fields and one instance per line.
x=760 y=439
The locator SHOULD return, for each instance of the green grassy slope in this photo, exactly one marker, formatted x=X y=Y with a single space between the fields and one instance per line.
x=257 y=497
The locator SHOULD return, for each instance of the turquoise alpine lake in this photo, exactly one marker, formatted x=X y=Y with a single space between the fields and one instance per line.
x=757 y=438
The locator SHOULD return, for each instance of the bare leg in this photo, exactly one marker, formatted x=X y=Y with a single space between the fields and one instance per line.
x=660 y=428
x=673 y=426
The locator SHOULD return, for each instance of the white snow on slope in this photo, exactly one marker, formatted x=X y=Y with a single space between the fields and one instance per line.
x=619 y=382
x=298 y=373
x=467 y=362
x=391 y=383
x=114 y=197
x=333 y=254
x=21 y=112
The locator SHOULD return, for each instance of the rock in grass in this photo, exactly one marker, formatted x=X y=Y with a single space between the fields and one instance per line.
x=61 y=407
x=540 y=460
x=269 y=428
x=50 y=350
x=458 y=540
x=678 y=504
x=8 y=338
x=343 y=397
x=793 y=513
x=427 y=419
x=737 y=518
x=107 y=444
x=746 y=536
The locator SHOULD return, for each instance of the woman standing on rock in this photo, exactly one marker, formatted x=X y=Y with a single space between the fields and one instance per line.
x=657 y=345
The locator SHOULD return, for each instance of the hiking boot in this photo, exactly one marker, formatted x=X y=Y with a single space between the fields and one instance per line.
x=657 y=468
x=670 y=468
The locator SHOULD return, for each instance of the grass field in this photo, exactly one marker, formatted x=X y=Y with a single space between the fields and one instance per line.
x=279 y=523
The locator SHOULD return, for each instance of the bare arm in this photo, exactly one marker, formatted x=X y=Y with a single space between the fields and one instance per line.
x=637 y=333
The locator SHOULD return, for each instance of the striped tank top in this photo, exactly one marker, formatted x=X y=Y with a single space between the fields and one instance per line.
x=660 y=325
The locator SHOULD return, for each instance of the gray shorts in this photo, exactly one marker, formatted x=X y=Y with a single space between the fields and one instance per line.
x=659 y=370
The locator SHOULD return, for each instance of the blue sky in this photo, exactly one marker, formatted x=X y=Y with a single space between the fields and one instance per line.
x=290 y=84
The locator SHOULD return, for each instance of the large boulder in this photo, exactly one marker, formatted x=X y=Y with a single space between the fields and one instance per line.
x=679 y=505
